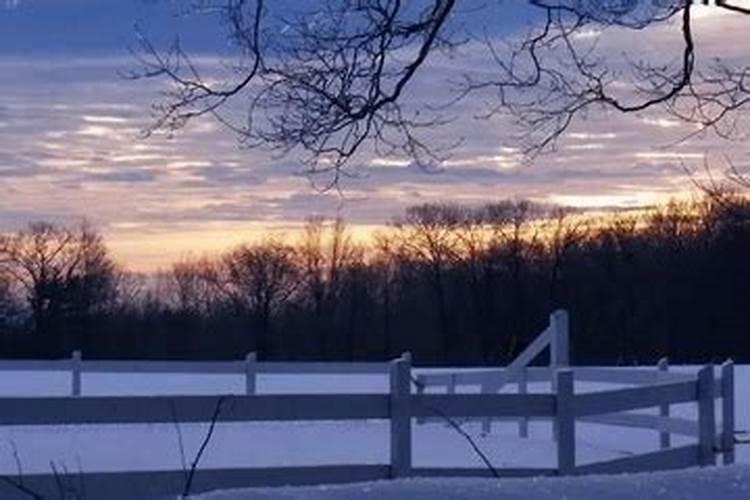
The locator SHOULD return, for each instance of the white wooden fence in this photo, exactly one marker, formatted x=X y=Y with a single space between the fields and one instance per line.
x=555 y=338
x=563 y=406
x=250 y=367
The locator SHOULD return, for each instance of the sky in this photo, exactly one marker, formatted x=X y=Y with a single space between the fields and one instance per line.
x=71 y=142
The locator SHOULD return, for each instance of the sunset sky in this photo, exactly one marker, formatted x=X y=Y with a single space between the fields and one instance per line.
x=70 y=142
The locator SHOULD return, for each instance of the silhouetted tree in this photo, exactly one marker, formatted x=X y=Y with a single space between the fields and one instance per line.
x=452 y=284
x=324 y=253
x=428 y=237
x=261 y=278
x=66 y=276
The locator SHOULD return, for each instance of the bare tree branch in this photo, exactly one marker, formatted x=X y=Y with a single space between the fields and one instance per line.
x=204 y=444
x=330 y=80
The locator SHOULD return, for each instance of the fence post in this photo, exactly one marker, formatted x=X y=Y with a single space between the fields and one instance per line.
x=75 y=373
x=484 y=388
x=421 y=386
x=560 y=341
x=251 y=373
x=400 y=413
x=523 y=424
x=559 y=352
x=407 y=356
x=566 y=423
x=727 y=411
x=451 y=389
x=665 y=439
x=706 y=416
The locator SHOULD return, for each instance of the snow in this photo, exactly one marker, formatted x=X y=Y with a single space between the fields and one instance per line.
x=268 y=444
x=725 y=483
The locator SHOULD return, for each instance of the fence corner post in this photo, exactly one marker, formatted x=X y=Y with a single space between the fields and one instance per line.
x=75 y=373
x=727 y=411
x=400 y=416
x=706 y=416
x=565 y=422
x=251 y=372
x=559 y=322
x=665 y=438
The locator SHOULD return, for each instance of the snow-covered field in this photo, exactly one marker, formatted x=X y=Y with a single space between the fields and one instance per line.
x=157 y=446
x=726 y=483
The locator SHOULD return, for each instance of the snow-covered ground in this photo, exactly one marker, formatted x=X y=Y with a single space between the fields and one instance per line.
x=726 y=483
x=157 y=446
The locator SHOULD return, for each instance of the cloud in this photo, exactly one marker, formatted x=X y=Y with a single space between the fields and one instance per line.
x=21 y=172
x=70 y=145
x=126 y=176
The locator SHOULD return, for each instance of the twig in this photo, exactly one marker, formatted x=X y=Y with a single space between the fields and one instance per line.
x=457 y=427
x=81 y=480
x=467 y=437
x=204 y=444
x=18 y=483
x=19 y=486
x=70 y=490
x=17 y=459
x=58 y=480
x=180 y=440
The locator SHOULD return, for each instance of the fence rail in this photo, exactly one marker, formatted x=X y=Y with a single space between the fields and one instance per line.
x=405 y=401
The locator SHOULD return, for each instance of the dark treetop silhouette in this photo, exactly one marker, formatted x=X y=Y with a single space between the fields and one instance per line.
x=450 y=283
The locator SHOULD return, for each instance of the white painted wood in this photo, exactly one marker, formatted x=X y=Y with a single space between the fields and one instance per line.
x=565 y=423
x=523 y=423
x=706 y=415
x=665 y=440
x=138 y=366
x=671 y=425
x=673 y=458
x=727 y=412
x=527 y=355
x=634 y=376
x=75 y=373
x=324 y=368
x=421 y=386
x=212 y=367
x=17 y=365
x=502 y=377
x=163 y=409
x=486 y=388
x=400 y=406
x=251 y=361
x=632 y=398
x=477 y=377
x=560 y=341
x=451 y=389
x=536 y=374
x=558 y=350
x=435 y=379
x=512 y=371
x=400 y=417
x=483 y=405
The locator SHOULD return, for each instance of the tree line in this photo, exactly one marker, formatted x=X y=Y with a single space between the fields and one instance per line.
x=450 y=283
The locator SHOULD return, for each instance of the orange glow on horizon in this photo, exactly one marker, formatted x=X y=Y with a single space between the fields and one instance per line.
x=145 y=248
